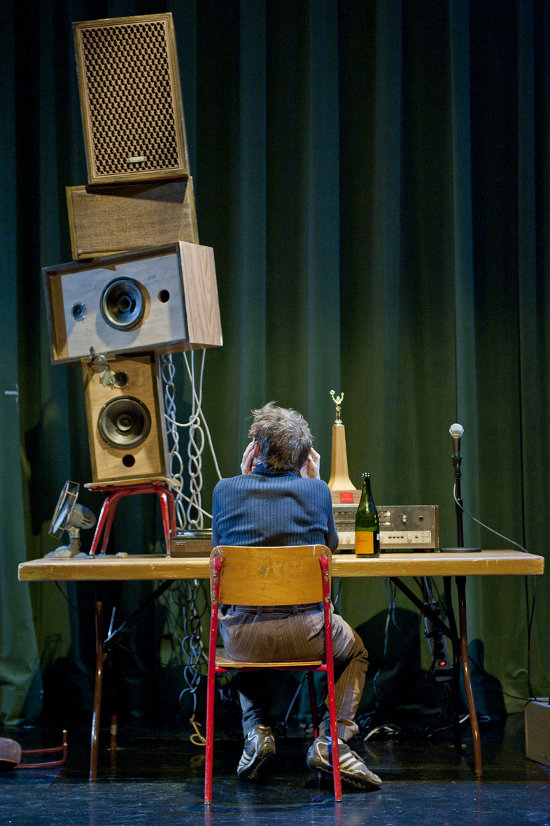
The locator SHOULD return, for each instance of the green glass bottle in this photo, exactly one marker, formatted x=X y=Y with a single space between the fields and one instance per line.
x=367 y=524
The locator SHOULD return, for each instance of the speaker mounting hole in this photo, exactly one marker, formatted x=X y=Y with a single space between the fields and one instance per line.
x=121 y=378
x=164 y=296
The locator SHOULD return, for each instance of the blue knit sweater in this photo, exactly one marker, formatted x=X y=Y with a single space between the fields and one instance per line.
x=268 y=507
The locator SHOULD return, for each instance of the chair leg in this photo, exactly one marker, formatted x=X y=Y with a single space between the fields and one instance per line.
x=209 y=751
x=313 y=704
x=334 y=737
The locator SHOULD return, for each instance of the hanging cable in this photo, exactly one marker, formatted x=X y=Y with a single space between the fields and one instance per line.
x=189 y=516
x=483 y=525
x=189 y=508
x=530 y=608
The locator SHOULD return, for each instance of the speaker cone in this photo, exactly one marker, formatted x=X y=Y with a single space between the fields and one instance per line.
x=123 y=303
x=124 y=422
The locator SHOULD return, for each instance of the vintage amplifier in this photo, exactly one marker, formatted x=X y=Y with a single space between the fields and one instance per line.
x=402 y=527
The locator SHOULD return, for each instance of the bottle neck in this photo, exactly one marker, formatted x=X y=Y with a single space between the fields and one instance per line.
x=366 y=485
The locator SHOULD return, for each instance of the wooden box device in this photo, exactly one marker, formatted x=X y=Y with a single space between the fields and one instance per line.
x=537 y=730
x=130 y=99
x=192 y=543
x=162 y=298
x=402 y=527
x=126 y=428
x=105 y=220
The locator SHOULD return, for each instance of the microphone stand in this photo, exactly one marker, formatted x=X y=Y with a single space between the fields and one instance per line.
x=457 y=461
x=462 y=653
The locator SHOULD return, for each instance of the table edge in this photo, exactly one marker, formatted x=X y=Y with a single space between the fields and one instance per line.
x=150 y=567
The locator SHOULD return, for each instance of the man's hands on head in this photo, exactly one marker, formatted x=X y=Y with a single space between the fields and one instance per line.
x=312 y=465
x=250 y=458
x=309 y=470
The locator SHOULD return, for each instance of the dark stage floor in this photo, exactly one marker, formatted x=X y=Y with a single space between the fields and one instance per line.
x=156 y=777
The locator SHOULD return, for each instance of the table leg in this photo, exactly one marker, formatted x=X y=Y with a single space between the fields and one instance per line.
x=99 y=660
x=455 y=640
x=474 y=723
x=460 y=648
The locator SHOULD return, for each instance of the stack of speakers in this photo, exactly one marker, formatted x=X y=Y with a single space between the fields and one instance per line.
x=140 y=284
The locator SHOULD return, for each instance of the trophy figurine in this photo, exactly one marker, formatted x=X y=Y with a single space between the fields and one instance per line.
x=339 y=481
x=338 y=402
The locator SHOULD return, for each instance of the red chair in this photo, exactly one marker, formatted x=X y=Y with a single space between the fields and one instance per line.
x=294 y=575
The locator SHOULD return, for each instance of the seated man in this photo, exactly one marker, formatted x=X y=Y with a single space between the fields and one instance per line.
x=280 y=500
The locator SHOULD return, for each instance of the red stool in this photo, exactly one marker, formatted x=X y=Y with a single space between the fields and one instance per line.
x=115 y=491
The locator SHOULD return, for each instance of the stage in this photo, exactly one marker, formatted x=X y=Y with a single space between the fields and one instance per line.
x=156 y=776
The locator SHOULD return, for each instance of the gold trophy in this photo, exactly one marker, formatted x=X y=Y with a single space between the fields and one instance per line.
x=339 y=482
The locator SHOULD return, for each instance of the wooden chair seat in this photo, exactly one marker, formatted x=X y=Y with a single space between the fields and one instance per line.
x=288 y=665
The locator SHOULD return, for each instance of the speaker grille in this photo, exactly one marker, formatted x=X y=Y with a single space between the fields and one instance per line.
x=129 y=85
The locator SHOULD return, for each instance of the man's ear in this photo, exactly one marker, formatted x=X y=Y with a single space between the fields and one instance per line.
x=255 y=449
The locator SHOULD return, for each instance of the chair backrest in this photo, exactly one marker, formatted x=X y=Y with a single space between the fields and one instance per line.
x=288 y=575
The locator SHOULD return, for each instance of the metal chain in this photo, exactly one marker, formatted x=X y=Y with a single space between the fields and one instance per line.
x=189 y=516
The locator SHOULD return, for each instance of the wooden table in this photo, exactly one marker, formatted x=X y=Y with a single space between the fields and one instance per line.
x=393 y=565
x=343 y=565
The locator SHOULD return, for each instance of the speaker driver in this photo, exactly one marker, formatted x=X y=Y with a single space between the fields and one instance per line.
x=124 y=422
x=123 y=303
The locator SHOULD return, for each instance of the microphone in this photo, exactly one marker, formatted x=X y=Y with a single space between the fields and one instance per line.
x=456 y=430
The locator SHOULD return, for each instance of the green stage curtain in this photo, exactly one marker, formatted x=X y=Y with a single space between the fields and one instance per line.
x=374 y=180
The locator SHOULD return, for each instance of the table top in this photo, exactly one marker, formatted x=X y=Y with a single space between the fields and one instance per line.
x=156 y=567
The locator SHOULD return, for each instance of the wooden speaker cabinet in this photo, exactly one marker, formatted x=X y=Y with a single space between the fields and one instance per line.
x=126 y=428
x=130 y=98
x=105 y=220
x=162 y=298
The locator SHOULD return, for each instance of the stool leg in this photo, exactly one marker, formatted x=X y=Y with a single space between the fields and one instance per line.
x=172 y=509
x=165 y=511
x=100 y=524
x=114 y=499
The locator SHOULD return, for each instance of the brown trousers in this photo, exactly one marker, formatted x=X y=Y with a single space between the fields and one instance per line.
x=264 y=635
